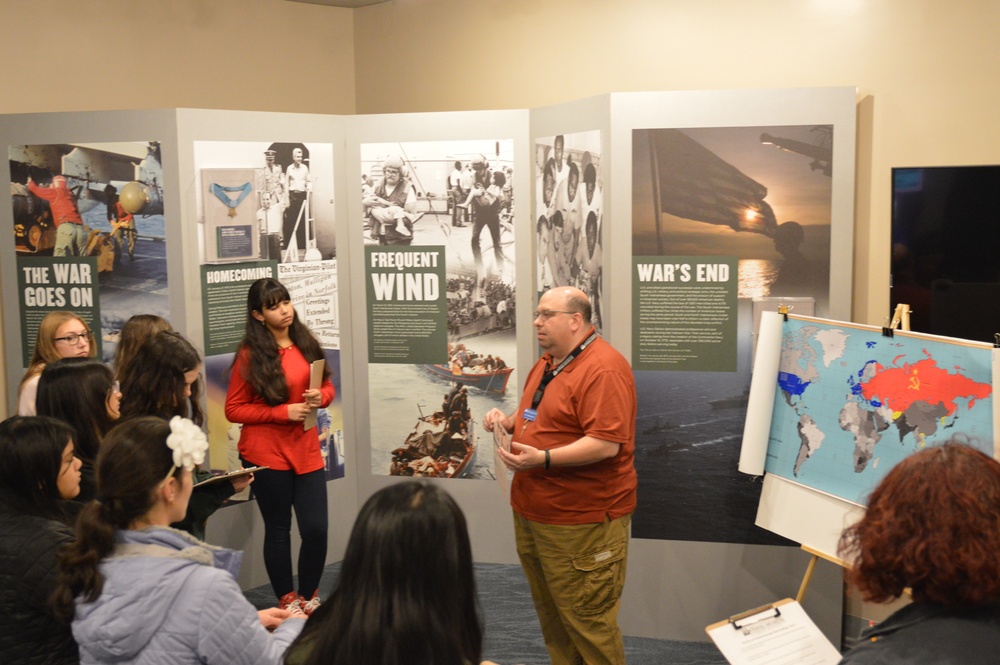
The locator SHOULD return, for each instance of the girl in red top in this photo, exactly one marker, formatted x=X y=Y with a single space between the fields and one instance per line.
x=269 y=394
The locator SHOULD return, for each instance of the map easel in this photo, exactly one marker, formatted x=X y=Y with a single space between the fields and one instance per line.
x=816 y=555
x=900 y=318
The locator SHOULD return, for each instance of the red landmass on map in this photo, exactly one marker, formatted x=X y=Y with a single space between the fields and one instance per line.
x=923 y=381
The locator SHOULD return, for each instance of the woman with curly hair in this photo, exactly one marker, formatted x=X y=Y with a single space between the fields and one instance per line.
x=932 y=526
x=60 y=335
x=269 y=394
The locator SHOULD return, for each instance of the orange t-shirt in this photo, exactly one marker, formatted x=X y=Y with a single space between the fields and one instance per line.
x=594 y=395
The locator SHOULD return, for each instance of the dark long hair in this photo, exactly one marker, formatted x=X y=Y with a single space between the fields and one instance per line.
x=931 y=525
x=152 y=383
x=76 y=390
x=134 y=334
x=133 y=461
x=263 y=371
x=406 y=593
x=31 y=452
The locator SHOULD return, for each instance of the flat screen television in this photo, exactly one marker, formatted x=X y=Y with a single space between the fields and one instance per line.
x=946 y=249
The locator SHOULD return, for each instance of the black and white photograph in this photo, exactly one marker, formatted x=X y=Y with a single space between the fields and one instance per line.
x=265 y=200
x=568 y=218
x=457 y=195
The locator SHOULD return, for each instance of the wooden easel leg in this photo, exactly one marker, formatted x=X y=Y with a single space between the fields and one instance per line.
x=806 y=578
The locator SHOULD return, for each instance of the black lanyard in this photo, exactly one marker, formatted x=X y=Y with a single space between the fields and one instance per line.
x=550 y=374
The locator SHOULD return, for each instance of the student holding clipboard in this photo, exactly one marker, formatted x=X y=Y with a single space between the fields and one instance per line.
x=163 y=379
x=270 y=393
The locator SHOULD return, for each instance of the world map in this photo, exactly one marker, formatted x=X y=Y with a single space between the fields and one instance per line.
x=851 y=403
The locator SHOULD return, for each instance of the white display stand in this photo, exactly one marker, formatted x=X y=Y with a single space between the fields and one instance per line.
x=674 y=588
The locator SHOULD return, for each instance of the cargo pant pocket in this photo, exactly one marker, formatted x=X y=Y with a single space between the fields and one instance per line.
x=601 y=578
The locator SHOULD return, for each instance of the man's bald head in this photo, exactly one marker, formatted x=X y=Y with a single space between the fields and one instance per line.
x=572 y=299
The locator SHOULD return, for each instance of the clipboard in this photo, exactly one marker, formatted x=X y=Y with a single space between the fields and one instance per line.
x=232 y=474
x=501 y=439
x=779 y=633
x=315 y=381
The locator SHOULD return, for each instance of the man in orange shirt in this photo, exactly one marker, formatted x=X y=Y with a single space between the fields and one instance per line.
x=573 y=493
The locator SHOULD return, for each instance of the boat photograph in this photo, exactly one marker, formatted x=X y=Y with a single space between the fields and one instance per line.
x=441 y=445
x=488 y=373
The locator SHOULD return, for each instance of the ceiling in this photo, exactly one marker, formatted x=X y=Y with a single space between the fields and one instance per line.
x=350 y=4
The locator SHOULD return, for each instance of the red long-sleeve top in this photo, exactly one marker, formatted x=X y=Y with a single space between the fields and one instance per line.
x=61 y=202
x=268 y=438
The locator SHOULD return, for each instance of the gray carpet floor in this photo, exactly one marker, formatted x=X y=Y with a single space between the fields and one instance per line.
x=512 y=633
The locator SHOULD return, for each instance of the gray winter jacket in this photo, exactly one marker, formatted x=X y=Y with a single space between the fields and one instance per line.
x=169 y=598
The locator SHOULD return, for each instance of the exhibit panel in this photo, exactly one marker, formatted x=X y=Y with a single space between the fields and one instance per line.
x=435 y=277
x=102 y=179
x=440 y=293
x=395 y=296
x=714 y=176
x=148 y=255
x=263 y=197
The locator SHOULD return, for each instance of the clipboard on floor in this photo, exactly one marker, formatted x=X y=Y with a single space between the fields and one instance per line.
x=778 y=633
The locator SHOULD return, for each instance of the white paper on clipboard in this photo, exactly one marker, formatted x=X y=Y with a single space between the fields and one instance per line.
x=778 y=634
x=315 y=381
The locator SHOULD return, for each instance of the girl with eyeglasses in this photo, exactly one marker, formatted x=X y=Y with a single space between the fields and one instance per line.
x=60 y=335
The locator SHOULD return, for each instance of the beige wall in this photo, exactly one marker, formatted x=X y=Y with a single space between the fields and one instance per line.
x=930 y=68
x=925 y=68
x=261 y=55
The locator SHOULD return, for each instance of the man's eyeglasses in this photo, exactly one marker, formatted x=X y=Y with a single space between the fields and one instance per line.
x=546 y=314
x=74 y=338
x=390 y=171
